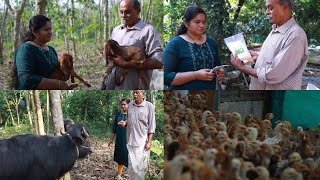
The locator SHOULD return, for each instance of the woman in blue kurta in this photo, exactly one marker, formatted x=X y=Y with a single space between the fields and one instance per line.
x=34 y=60
x=189 y=57
x=120 y=150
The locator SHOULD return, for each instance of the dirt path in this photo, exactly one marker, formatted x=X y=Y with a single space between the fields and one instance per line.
x=5 y=75
x=99 y=165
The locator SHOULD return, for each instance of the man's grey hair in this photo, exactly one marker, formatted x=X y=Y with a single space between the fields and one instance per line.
x=290 y=3
x=143 y=91
x=136 y=4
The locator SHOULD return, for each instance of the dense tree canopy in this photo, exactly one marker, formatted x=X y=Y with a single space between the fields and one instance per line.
x=76 y=20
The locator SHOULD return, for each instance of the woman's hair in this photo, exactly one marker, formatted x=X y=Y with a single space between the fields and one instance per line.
x=35 y=23
x=190 y=13
x=125 y=100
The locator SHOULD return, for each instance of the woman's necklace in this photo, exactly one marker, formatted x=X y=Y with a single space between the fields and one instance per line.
x=40 y=46
x=193 y=39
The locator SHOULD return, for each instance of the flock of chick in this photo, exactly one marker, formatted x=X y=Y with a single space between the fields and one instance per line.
x=201 y=144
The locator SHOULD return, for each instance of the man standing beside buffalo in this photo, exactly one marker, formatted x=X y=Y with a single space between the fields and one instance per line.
x=283 y=56
x=134 y=32
x=141 y=125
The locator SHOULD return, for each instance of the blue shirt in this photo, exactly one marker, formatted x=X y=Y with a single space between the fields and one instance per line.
x=183 y=56
x=34 y=63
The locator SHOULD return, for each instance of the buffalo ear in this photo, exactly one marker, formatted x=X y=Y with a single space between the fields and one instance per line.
x=77 y=140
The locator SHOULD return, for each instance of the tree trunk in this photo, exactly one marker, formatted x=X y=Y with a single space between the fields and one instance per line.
x=48 y=113
x=66 y=42
x=100 y=24
x=41 y=7
x=148 y=11
x=141 y=13
x=153 y=20
x=8 y=104
x=106 y=25
x=39 y=112
x=1 y=35
x=236 y=15
x=1 y=49
x=56 y=111
x=33 y=106
x=149 y=96
x=16 y=100
x=65 y=29
x=73 y=33
x=57 y=117
x=81 y=29
x=27 y=96
x=17 y=111
x=111 y=16
x=17 y=22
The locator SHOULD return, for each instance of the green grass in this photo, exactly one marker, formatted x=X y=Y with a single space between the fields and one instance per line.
x=98 y=129
x=9 y=131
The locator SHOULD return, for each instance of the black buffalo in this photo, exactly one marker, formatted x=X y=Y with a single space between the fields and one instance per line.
x=34 y=157
x=67 y=124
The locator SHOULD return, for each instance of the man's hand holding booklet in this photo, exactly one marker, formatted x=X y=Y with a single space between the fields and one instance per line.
x=238 y=47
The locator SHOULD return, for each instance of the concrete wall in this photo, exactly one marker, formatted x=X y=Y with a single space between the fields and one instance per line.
x=244 y=108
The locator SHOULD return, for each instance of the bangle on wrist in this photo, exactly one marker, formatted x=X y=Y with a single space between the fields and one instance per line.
x=193 y=76
x=58 y=84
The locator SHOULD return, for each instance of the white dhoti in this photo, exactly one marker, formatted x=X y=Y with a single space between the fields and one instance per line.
x=138 y=160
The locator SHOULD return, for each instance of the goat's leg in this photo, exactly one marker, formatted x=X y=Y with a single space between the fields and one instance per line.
x=72 y=78
x=140 y=80
x=120 y=75
x=109 y=67
x=74 y=74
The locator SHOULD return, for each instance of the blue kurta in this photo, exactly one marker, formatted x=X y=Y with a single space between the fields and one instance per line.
x=120 y=150
x=182 y=56
x=34 y=63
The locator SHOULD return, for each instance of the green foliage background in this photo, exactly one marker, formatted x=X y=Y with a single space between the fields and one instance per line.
x=88 y=26
x=95 y=109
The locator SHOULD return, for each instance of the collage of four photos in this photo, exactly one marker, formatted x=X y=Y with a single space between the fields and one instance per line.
x=159 y=89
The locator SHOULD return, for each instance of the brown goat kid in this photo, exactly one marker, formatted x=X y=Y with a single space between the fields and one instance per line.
x=128 y=53
x=65 y=69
